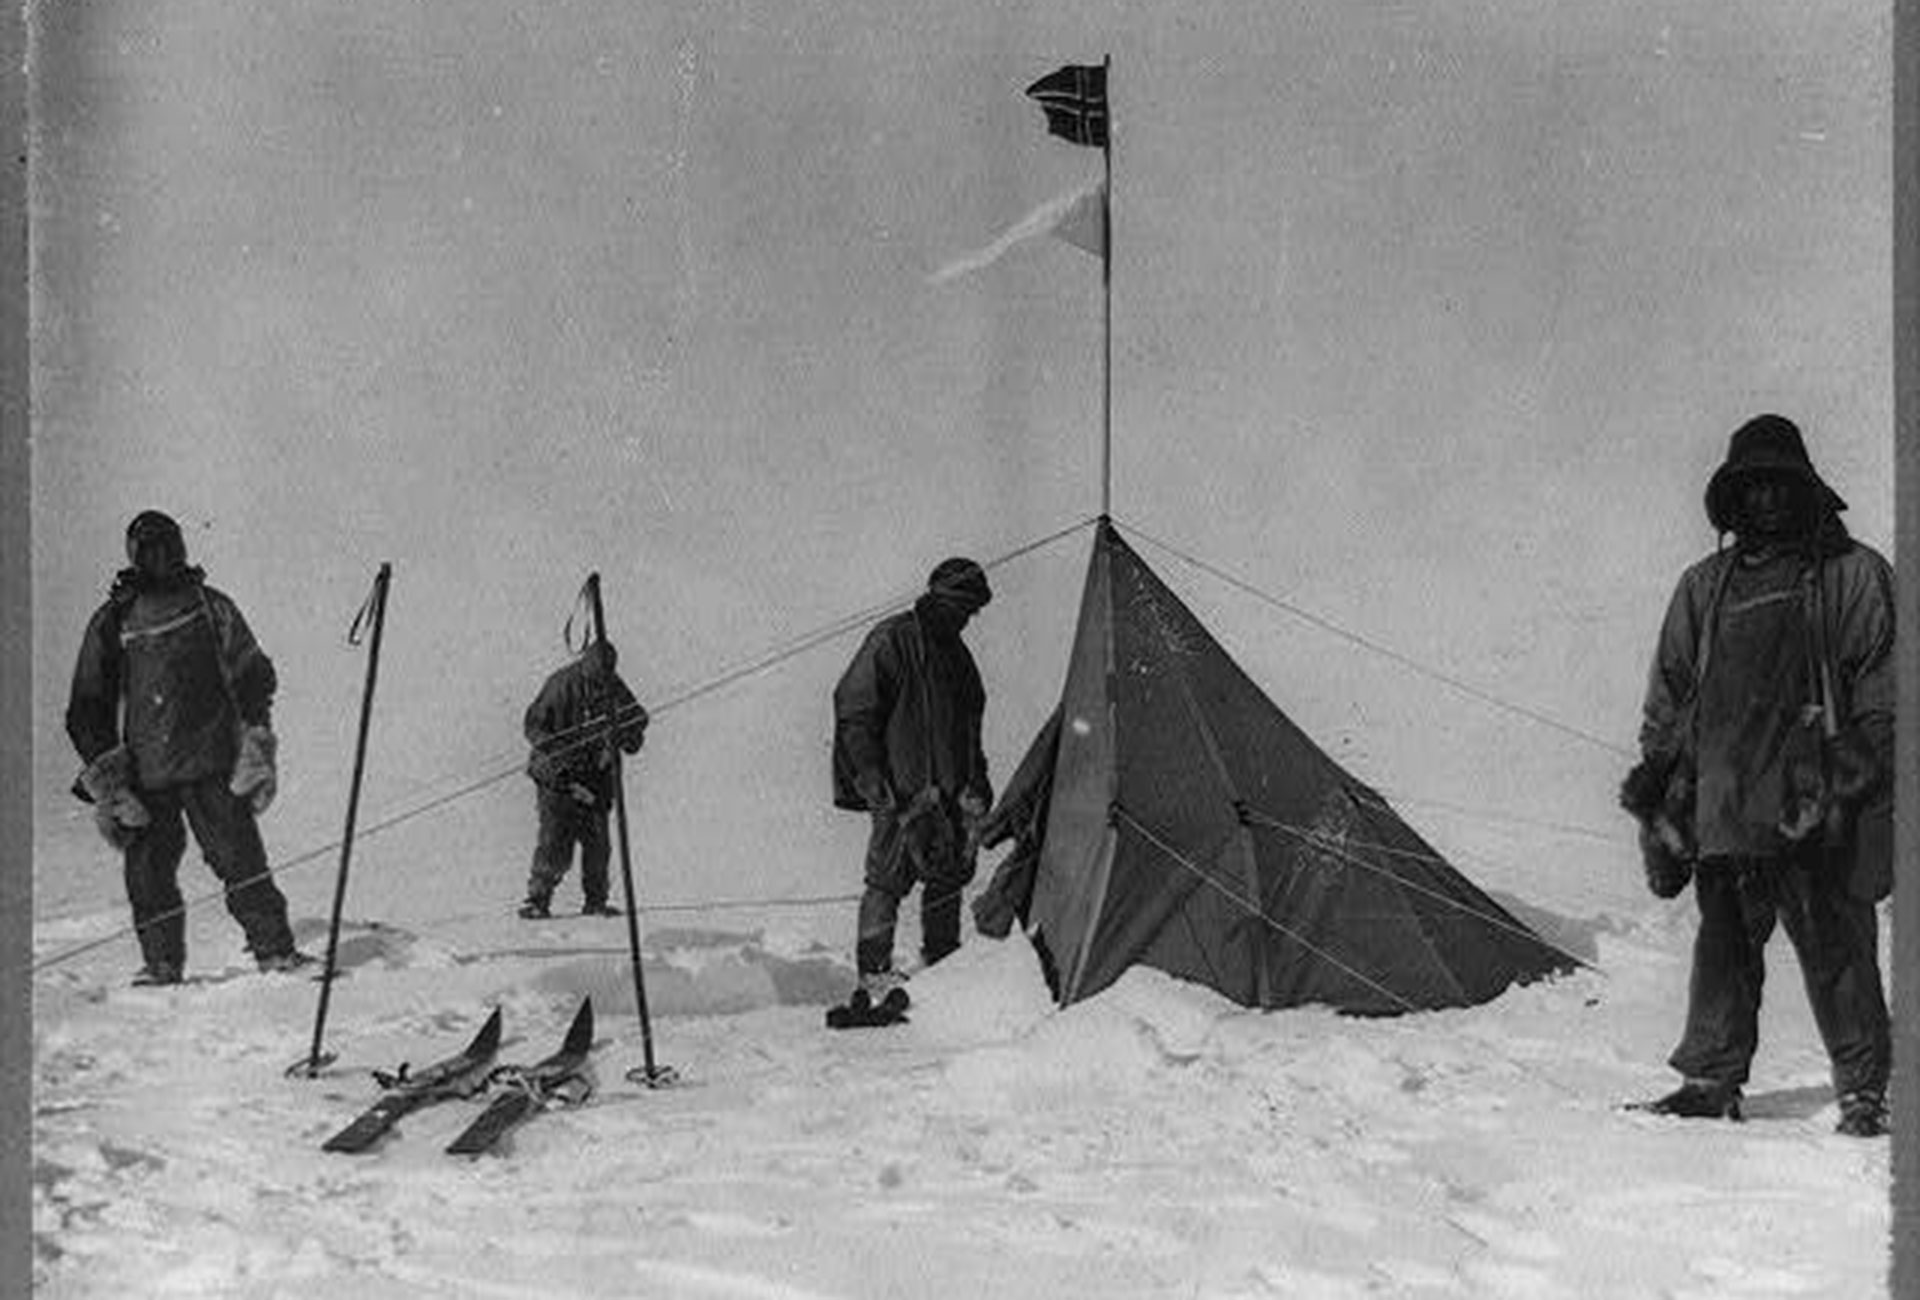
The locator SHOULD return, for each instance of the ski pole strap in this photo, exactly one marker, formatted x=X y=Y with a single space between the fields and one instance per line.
x=566 y=632
x=1821 y=656
x=364 y=619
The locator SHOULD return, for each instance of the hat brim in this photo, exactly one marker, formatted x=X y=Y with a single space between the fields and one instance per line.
x=1723 y=489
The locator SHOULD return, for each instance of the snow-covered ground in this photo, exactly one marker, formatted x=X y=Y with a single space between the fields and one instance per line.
x=1153 y=1141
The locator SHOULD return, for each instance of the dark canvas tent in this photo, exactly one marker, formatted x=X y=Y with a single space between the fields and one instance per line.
x=1192 y=827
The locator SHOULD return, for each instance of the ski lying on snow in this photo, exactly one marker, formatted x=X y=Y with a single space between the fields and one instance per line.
x=460 y=1075
x=559 y=1079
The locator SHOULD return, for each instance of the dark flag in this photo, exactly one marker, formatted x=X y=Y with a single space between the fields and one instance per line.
x=1075 y=102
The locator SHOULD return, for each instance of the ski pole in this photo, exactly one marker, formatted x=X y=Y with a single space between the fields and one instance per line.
x=376 y=608
x=650 y=1074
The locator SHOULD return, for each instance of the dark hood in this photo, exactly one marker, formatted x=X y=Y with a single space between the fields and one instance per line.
x=1770 y=443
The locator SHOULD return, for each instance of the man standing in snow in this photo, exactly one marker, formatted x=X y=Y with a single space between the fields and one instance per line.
x=195 y=746
x=1767 y=744
x=906 y=750
x=582 y=712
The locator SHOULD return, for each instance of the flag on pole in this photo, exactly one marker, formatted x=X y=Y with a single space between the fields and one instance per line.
x=1074 y=98
x=1078 y=217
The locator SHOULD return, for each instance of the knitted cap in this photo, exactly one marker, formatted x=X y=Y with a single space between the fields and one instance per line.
x=961 y=581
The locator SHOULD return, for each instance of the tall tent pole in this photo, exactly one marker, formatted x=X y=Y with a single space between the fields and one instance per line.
x=1106 y=288
x=376 y=608
x=652 y=1073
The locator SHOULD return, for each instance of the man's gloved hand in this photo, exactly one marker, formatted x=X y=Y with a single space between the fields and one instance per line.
x=118 y=813
x=973 y=804
x=255 y=776
x=875 y=792
x=1854 y=772
x=581 y=794
x=1667 y=872
x=1644 y=791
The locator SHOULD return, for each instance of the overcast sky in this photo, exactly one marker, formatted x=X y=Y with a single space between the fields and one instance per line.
x=1431 y=318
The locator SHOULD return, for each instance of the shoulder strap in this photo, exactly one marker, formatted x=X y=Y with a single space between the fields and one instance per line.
x=1819 y=651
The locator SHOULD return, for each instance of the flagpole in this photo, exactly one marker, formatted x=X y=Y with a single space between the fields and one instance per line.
x=1106 y=290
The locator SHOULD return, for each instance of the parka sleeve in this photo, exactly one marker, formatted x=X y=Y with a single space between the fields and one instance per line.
x=630 y=719
x=93 y=701
x=244 y=662
x=542 y=722
x=1671 y=680
x=863 y=702
x=1864 y=653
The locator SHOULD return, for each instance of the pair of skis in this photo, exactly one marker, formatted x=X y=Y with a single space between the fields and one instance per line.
x=522 y=1090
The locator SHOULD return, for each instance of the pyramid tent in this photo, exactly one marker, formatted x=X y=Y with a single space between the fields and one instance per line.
x=1191 y=827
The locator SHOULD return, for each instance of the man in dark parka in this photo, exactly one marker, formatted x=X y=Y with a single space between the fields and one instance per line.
x=171 y=712
x=1767 y=743
x=907 y=751
x=582 y=711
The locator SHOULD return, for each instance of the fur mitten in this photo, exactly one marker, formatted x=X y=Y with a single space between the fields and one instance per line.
x=117 y=811
x=1667 y=872
x=1659 y=793
x=255 y=778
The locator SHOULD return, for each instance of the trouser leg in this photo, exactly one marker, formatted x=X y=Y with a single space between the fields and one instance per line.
x=888 y=877
x=1837 y=939
x=553 y=847
x=229 y=839
x=152 y=870
x=1736 y=906
x=945 y=869
x=596 y=850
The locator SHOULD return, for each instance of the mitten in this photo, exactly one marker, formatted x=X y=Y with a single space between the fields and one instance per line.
x=633 y=731
x=1644 y=790
x=255 y=778
x=117 y=811
x=543 y=769
x=1659 y=793
x=874 y=791
x=1854 y=771
x=1667 y=872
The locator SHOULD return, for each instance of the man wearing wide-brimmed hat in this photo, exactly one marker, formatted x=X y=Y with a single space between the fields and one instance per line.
x=1767 y=741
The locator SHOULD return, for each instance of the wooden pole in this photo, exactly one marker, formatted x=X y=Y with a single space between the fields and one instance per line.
x=1106 y=288
x=650 y=1074
x=377 y=602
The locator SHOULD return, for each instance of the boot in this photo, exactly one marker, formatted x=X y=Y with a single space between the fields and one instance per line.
x=1862 y=1115
x=281 y=963
x=536 y=908
x=1696 y=1099
x=156 y=974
